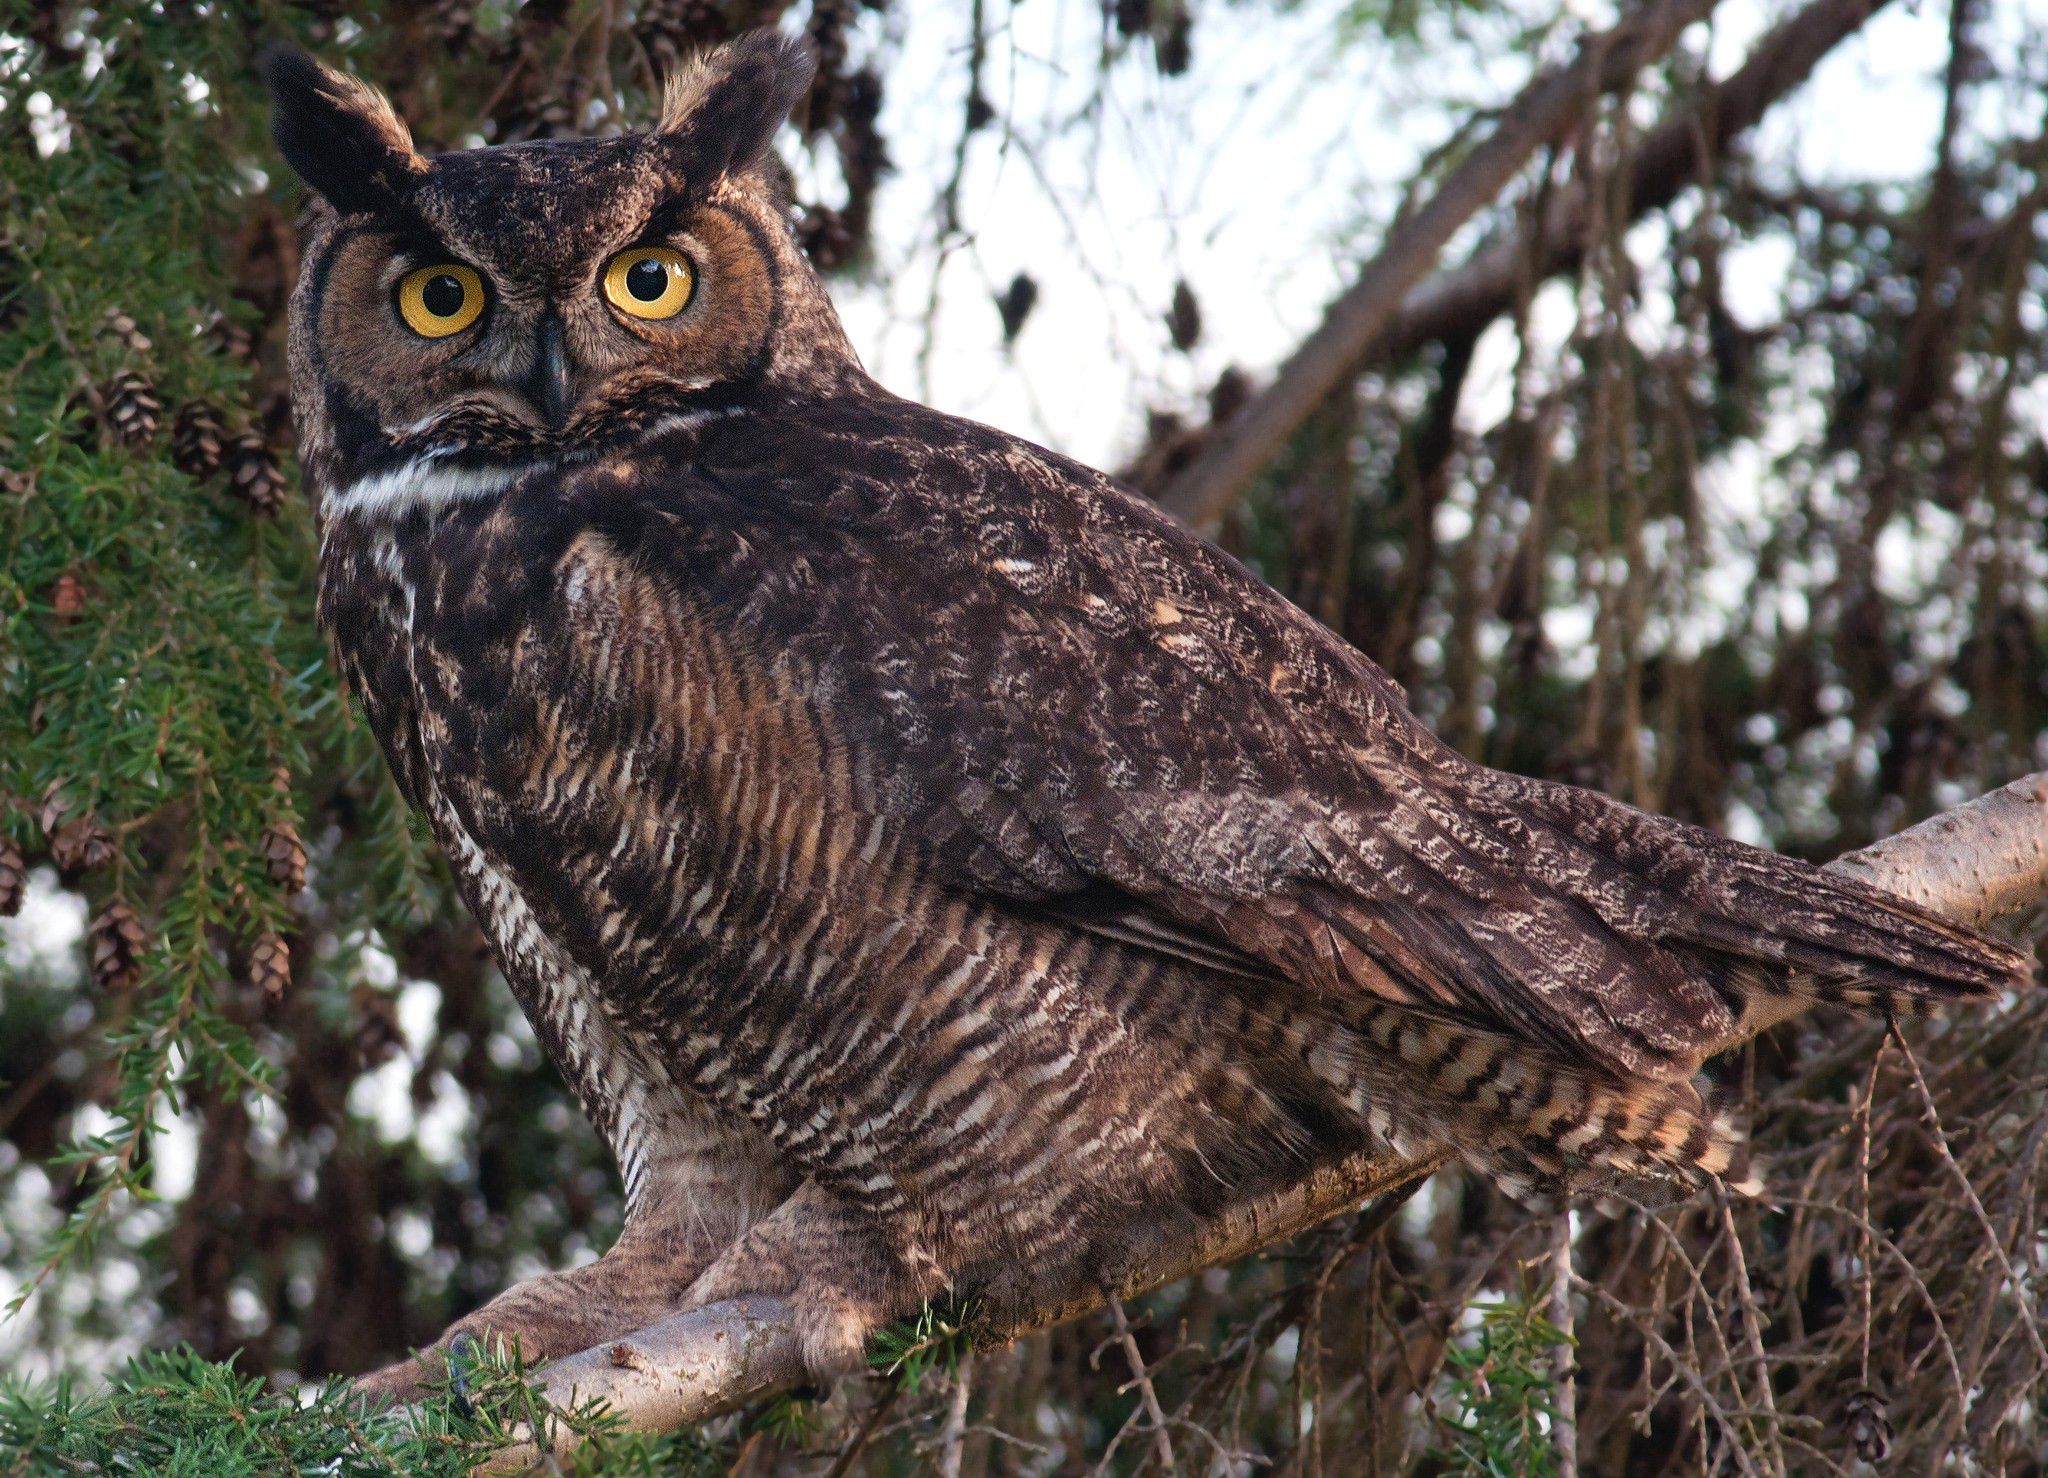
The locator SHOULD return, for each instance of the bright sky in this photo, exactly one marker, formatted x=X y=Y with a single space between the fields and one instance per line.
x=1256 y=177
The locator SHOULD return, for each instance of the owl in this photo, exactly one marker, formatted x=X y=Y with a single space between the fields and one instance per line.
x=920 y=855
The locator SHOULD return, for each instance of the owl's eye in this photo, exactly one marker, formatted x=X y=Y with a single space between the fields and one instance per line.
x=438 y=301
x=649 y=282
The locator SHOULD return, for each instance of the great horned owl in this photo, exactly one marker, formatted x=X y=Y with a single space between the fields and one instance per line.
x=919 y=853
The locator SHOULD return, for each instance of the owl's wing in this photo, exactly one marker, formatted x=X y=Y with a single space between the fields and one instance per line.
x=1078 y=706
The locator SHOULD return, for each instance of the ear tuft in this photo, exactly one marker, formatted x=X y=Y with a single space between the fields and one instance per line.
x=342 y=135
x=724 y=107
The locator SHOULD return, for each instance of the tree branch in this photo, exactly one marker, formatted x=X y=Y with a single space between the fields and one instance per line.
x=1975 y=863
x=1665 y=161
x=1390 y=311
x=1981 y=861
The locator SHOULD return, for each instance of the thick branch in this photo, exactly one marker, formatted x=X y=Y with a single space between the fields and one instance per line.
x=1544 y=112
x=1665 y=161
x=1981 y=861
x=1973 y=864
x=1391 y=311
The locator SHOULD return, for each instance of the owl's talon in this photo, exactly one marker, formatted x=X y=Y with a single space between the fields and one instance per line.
x=834 y=1340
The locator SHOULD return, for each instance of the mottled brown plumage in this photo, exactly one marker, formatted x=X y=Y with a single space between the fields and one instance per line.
x=919 y=853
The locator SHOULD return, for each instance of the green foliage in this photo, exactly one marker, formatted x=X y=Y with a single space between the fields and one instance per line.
x=158 y=663
x=1505 y=1398
x=938 y=1338
x=790 y=1419
x=173 y=1414
x=163 y=691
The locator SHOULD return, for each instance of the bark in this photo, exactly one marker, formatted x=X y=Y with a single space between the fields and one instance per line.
x=1465 y=300
x=1981 y=861
x=1391 y=311
x=1547 y=109
x=1976 y=863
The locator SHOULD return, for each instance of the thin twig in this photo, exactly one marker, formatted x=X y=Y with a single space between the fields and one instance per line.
x=1991 y=1236
x=1863 y=1202
x=1682 y=1367
x=1162 y=1444
x=1752 y=1330
x=953 y=1436
x=843 y=1464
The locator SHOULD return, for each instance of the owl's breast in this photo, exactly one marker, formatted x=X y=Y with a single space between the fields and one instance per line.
x=437 y=634
x=655 y=778
x=366 y=601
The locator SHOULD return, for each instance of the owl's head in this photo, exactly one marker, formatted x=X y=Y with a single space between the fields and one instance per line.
x=478 y=311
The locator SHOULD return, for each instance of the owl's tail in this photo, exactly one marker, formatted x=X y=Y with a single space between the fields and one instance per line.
x=1551 y=968
x=1622 y=944
x=1769 y=934
x=1531 y=1116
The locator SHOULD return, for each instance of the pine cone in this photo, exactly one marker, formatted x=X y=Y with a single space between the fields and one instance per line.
x=13 y=878
x=226 y=338
x=1173 y=43
x=67 y=596
x=119 y=325
x=198 y=440
x=1184 y=318
x=50 y=815
x=825 y=237
x=132 y=410
x=116 y=941
x=1870 y=1426
x=81 y=845
x=1015 y=304
x=270 y=965
x=254 y=475
x=284 y=857
x=378 y=1038
x=1230 y=394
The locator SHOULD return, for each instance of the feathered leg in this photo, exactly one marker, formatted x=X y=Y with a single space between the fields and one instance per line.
x=642 y=1279
x=841 y=1276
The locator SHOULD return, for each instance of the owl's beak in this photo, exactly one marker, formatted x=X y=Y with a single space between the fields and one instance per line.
x=546 y=386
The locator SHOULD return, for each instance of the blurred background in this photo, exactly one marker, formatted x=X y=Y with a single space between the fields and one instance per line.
x=1706 y=467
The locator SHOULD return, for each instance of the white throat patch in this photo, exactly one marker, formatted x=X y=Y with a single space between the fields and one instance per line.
x=421 y=483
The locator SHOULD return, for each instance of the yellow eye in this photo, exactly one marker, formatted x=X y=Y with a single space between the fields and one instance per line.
x=438 y=301
x=649 y=282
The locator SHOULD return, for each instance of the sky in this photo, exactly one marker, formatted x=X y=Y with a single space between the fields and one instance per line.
x=1256 y=177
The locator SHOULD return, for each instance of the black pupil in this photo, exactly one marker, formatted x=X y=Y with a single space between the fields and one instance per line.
x=443 y=295
x=647 y=279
